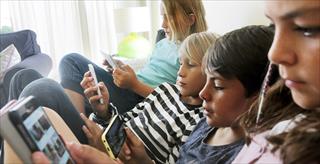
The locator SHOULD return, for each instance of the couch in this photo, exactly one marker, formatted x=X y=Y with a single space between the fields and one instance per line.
x=25 y=42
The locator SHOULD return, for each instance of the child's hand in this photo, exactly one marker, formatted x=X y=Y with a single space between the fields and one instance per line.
x=108 y=67
x=93 y=133
x=125 y=77
x=81 y=154
x=90 y=91
x=134 y=150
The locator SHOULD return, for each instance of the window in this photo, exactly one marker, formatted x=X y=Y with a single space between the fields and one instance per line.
x=5 y=22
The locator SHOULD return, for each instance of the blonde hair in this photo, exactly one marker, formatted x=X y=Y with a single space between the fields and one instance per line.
x=196 y=45
x=178 y=14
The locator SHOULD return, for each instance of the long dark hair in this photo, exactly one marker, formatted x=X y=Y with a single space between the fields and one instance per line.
x=302 y=143
x=298 y=145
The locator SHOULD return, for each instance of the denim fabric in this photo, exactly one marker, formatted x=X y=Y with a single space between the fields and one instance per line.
x=50 y=94
x=21 y=79
x=72 y=68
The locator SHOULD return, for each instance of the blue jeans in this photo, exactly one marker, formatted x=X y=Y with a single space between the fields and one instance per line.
x=72 y=68
x=50 y=94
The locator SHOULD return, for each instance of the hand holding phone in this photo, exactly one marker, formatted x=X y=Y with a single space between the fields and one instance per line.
x=110 y=60
x=94 y=76
x=28 y=129
x=114 y=137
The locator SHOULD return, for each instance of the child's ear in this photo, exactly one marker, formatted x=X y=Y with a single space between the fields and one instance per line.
x=192 y=19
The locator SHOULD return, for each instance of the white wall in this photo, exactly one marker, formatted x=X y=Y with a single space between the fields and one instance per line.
x=224 y=16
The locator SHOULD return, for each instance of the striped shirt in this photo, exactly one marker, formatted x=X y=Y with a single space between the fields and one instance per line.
x=163 y=122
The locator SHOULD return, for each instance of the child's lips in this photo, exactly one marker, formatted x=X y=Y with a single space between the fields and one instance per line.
x=180 y=83
x=293 y=83
x=207 y=109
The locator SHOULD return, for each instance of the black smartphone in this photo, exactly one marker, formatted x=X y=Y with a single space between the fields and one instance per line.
x=114 y=137
x=36 y=130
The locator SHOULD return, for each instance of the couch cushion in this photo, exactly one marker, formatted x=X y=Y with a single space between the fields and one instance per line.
x=8 y=58
x=24 y=41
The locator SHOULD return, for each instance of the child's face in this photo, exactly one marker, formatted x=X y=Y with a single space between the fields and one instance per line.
x=165 y=22
x=223 y=100
x=190 y=78
x=296 y=48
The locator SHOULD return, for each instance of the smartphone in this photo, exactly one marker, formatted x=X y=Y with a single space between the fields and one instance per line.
x=93 y=74
x=110 y=60
x=114 y=137
x=37 y=131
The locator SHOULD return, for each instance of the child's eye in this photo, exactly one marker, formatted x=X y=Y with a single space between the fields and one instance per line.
x=191 y=64
x=218 y=88
x=308 y=31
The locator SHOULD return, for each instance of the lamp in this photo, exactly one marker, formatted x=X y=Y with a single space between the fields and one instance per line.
x=133 y=20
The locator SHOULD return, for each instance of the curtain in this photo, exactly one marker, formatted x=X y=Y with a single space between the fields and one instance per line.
x=83 y=27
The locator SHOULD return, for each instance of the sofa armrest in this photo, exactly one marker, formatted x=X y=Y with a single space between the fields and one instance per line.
x=40 y=62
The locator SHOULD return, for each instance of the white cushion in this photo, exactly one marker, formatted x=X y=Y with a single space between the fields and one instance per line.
x=8 y=58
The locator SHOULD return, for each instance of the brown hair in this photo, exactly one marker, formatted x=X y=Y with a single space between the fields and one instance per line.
x=298 y=145
x=241 y=54
x=302 y=143
x=178 y=12
x=278 y=106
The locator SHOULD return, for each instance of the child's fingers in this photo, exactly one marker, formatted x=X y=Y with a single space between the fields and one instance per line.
x=132 y=138
x=125 y=153
x=87 y=74
x=126 y=68
x=95 y=99
x=89 y=124
x=103 y=89
x=89 y=92
x=87 y=132
x=86 y=82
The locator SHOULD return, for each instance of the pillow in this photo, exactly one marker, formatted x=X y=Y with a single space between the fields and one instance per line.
x=8 y=58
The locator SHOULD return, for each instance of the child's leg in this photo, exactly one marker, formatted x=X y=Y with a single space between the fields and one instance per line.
x=58 y=123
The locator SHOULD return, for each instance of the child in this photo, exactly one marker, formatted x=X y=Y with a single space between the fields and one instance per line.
x=164 y=120
x=180 y=19
x=288 y=130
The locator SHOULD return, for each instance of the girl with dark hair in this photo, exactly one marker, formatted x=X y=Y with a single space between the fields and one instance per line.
x=288 y=128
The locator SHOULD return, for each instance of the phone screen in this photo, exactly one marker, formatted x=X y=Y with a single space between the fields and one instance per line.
x=116 y=136
x=45 y=136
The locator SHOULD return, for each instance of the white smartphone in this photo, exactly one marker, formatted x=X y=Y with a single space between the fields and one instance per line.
x=93 y=74
x=110 y=60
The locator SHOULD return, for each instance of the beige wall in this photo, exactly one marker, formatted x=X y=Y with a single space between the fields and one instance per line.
x=224 y=16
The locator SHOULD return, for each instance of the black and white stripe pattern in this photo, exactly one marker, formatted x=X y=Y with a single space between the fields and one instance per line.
x=163 y=122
